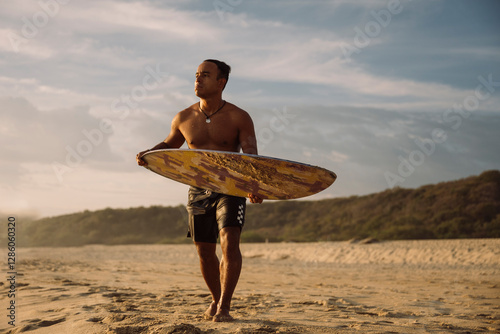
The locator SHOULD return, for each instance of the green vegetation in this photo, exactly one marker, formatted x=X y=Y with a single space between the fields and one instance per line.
x=467 y=208
x=109 y=226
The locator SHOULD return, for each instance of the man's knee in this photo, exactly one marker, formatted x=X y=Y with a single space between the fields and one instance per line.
x=230 y=236
x=206 y=250
x=230 y=242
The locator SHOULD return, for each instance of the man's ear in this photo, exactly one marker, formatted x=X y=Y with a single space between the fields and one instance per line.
x=222 y=83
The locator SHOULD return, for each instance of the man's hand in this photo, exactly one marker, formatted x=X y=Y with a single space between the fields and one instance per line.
x=254 y=198
x=138 y=157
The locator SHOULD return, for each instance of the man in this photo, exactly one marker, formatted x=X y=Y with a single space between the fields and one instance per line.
x=214 y=124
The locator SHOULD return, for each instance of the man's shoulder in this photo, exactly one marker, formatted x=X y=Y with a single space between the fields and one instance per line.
x=188 y=111
x=234 y=107
x=191 y=108
x=235 y=110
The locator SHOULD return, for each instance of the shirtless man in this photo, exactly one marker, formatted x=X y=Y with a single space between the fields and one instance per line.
x=213 y=124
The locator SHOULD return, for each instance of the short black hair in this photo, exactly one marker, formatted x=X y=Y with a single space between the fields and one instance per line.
x=224 y=69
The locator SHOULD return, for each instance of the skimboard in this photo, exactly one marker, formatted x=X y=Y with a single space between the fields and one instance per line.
x=240 y=174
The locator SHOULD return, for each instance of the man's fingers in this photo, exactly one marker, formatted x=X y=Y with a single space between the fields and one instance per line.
x=140 y=162
x=255 y=199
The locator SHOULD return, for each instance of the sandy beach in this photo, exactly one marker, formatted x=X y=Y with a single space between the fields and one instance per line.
x=434 y=286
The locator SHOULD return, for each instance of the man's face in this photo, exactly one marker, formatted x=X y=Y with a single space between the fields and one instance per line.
x=206 y=83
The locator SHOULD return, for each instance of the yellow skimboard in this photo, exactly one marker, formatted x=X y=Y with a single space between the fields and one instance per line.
x=240 y=174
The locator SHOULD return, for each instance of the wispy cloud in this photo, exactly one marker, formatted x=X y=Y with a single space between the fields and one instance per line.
x=71 y=66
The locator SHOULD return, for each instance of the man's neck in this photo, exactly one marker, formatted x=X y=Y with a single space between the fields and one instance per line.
x=210 y=105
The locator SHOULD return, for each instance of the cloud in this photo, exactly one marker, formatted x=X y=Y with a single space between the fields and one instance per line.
x=86 y=62
x=361 y=145
x=35 y=136
x=122 y=38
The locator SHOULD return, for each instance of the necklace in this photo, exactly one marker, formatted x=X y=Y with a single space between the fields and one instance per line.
x=207 y=116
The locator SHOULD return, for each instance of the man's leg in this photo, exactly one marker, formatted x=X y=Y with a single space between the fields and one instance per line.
x=230 y=268
x=209 y=264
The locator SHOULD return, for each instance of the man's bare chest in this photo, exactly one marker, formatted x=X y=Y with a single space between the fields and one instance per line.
x=219 y=134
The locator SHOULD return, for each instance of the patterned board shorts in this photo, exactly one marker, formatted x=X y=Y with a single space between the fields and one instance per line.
x=210 y=212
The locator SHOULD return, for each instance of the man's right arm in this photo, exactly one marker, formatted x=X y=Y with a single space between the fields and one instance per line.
x=174 y=140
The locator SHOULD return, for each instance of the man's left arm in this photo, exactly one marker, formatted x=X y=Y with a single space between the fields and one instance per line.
x=248 y=143
x=247 y=139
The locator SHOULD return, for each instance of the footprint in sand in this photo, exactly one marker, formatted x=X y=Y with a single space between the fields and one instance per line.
x=37 y=323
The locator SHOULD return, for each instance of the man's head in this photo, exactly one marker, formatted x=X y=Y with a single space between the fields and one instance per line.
x=223 y=69
x=211 y=78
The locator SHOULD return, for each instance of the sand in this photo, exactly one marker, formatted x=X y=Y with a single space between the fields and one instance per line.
x=438 y=286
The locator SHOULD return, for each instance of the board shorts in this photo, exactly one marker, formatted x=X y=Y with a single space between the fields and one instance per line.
x=210 y=212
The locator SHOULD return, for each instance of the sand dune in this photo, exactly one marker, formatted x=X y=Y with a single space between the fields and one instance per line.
x=445 y=286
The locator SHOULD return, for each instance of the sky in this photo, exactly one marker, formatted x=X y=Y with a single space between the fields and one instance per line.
x=390 y=93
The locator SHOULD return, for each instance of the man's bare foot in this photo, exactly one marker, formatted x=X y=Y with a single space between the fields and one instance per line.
x=223 y=316
x=211 y=311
